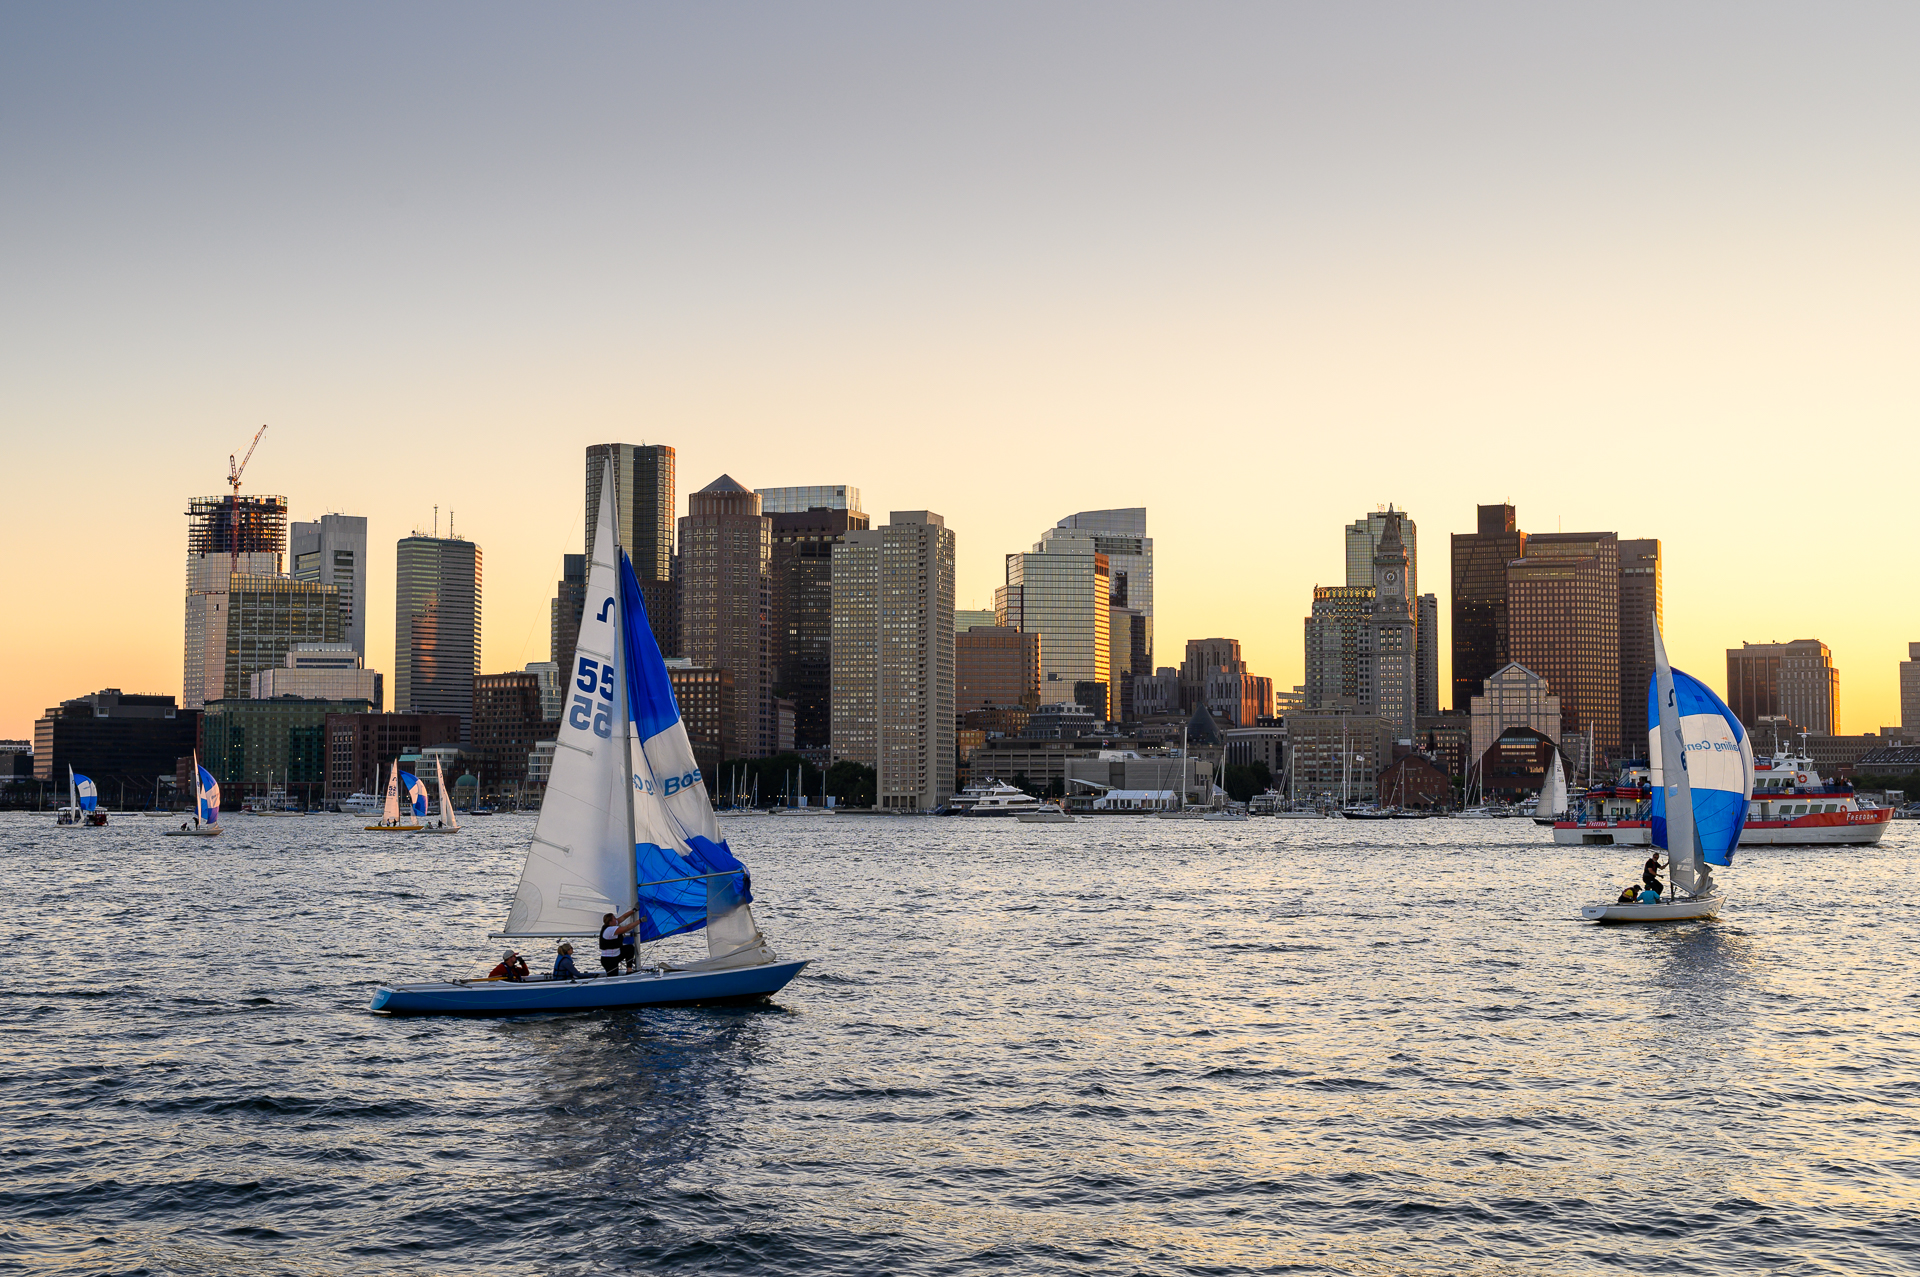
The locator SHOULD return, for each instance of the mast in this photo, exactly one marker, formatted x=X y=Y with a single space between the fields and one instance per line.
x=624 y=706
x=1683 y=853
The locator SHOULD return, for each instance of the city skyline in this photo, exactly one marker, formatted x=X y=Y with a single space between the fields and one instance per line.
x=1329 y=264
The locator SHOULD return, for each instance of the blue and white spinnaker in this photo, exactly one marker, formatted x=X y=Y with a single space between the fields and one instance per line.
x=1718 y=761
x=87 y=793
x=209 y=798
x=416 y=792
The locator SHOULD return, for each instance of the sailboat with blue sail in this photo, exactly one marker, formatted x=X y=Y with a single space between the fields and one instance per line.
x=206 y=806
x=83 y=802
x=394 y=820
x=626 y=825
x=1702 y=773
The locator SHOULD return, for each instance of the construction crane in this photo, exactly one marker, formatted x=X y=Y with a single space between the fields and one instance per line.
x=233 y=478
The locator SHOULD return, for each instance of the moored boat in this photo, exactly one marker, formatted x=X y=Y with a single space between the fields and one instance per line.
x=1791 y=805
x=992 y=797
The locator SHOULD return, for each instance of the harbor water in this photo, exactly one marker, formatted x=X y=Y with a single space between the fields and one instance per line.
x=1115 y=1046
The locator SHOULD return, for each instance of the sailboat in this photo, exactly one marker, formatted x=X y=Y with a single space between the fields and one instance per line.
x=83 y=803
x=206 y=805
x=626 y=824
x=449 y=822
x=391 y=821
x=1553 y=794
x=1702 y=766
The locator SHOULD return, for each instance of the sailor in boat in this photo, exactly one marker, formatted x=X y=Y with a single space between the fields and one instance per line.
x=616 y=940
x=563 y=968
x=1629 y=894
x=510 y=967
x=1650 y=872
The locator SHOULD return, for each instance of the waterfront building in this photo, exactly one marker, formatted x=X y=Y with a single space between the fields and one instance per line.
x=726 y=549
x=1448 y=740
x=995 y=667
x=319 y=671
x=800 y=614
x=1515 y=766
x=1068 y=720
x=1796 y=680
x=1214 y=676
x=645 y=497
x=361 y=746
x=1910 y=692
x=253 y=746
x=1062 y=592
x=540 y=764
x=705 y=698
x=1415 y=781
x=893 y=657
x=1512 y=696
x=1641 y=607
x=332 y=550
x=1337 y=756
x=508 y=720
x=1156 y=694
x=436 y=620
x=117 y=738
x=965 y=619
x=1480 y=559
x=226 y=536
x=1563 y=621
x=1264 y=745
x=569 y=600
x=819 y=496
x=1363 y=540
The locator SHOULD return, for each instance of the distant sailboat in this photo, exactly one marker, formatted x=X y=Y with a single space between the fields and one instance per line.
x=1702 y=766
x=449 y=822
x=626 y=823
x=391 y=821
x=1553 y=794
x=83 y=803
x=206 y=805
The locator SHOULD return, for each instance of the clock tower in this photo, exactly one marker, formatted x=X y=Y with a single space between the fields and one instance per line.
x=1393 y=653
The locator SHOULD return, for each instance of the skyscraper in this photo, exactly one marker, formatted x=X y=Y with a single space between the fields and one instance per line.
x=726 y=547
x=1339 y=675
x=819 y=496
x=1363 y=542
x=436 y=627
x=256 y=623
x=1480 y=561
x=1910 y=692
x=996 y=668
x=563 y=616
x=1640 y=607
x=1062 y=591
x=332 y=550
x=1794 y=680
x=893 y=657
x=801 y=613
x=643 y=485
x=1391 y=646
x=1121 y=535
x=1426 y=636
x=1563 y=622
x=225 y=535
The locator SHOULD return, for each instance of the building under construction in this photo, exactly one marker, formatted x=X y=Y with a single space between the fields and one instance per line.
x=227 y=536
x=235 y=524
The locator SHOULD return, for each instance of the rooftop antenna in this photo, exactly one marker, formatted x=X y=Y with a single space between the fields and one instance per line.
x=450 y=532
x=233 y=477
x=436 y=523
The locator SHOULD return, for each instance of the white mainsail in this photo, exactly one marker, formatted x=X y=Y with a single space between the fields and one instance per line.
x=392 y=814
x=447 y=814
x=1553 y=797
x=1683 y=854
x=580 y=863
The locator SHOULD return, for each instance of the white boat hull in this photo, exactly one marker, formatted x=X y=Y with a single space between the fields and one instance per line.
x=1045 y=818
x=1661 y=911
x=204 y=831
x=1640 y=834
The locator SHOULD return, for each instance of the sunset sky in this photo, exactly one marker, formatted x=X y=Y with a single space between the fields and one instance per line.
x=1262 y=268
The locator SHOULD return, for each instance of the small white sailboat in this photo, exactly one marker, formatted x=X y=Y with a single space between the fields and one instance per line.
x=1047 y=814
x=391 y=821
x=1702 y=765
x=206 y=806
x=626 y=825
x=449 y=819
x=1553 y=795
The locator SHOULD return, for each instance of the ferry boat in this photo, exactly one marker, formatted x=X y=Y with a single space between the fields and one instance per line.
x=1792 y=806
x=992 y=797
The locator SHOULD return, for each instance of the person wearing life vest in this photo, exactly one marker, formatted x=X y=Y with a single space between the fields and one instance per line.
x=616 y=938
x=510 y=967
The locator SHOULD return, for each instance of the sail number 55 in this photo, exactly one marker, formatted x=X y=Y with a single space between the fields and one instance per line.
x=588 y=711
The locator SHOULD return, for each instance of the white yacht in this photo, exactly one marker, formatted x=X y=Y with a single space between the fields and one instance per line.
x=991 y=797
x=363 y=804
